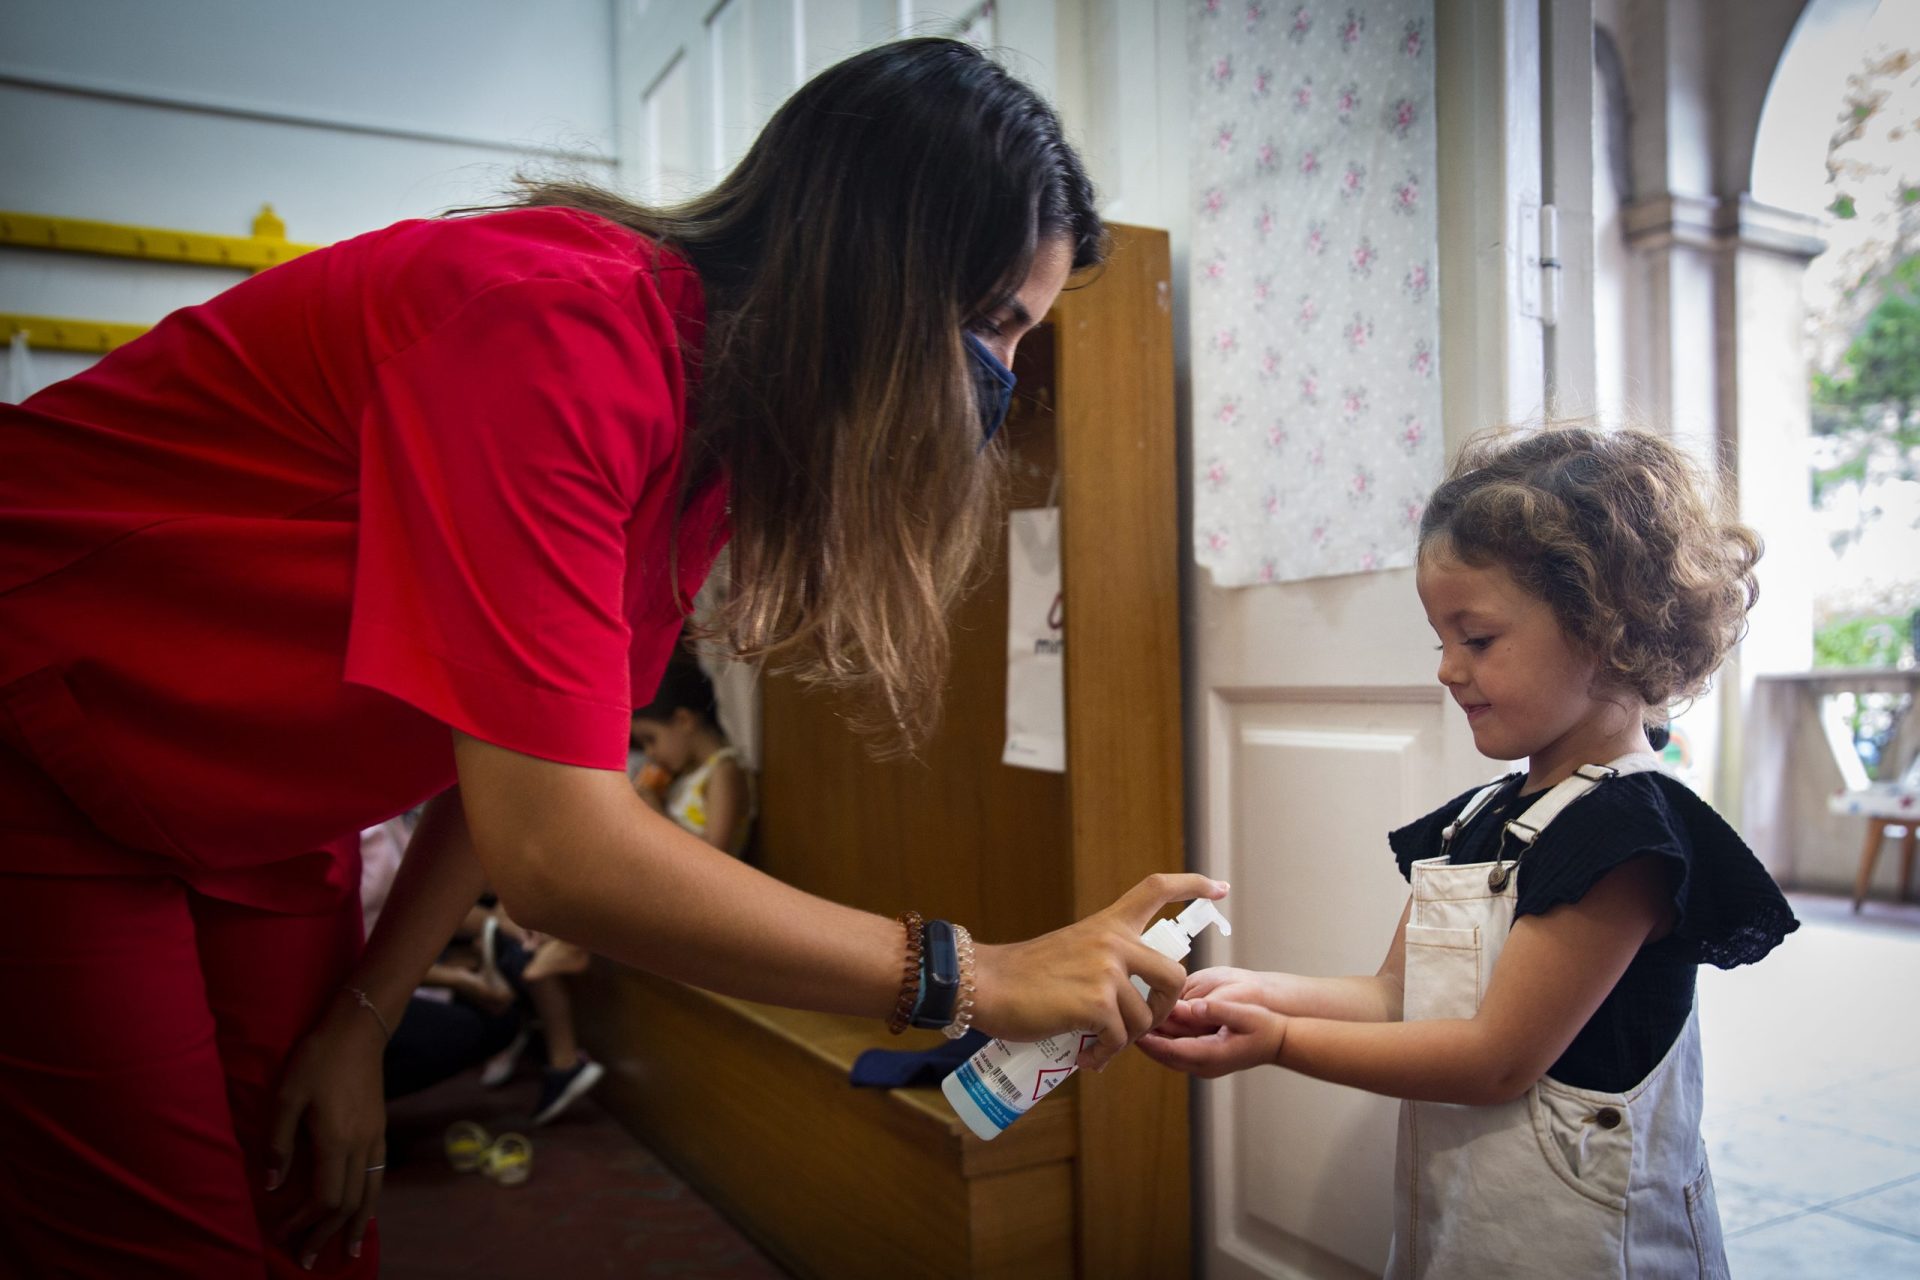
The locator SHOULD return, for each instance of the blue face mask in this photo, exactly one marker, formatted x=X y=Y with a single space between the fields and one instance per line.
x=992 y=387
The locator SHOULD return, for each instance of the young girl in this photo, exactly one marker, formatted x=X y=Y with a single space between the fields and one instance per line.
x=1535 y=1009
x=697 y=778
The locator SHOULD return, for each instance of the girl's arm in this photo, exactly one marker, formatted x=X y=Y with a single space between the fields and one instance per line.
x=726 y=803
x=1553 y=973
x=1372 y=997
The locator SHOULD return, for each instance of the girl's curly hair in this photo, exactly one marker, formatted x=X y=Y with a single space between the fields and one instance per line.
x=1616 y=532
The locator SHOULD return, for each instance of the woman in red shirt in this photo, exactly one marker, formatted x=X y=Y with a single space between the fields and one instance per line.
x=415 y=518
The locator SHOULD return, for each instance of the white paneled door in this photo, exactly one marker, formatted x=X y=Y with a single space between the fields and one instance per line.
x=1315 y=721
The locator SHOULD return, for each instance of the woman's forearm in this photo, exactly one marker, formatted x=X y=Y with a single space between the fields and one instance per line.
x=640 y=890
x=439 y=880
x=573 y=852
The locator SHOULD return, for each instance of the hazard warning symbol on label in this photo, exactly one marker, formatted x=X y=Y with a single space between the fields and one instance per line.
x=1088 y=1038
x=1048 y=1080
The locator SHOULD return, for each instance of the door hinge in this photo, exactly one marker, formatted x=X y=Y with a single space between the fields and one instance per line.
x=1539 y=240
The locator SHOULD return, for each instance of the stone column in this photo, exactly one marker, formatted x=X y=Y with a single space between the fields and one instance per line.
x=1721 y=363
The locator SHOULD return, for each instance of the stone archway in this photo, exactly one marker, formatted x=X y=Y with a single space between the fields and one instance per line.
x=1711 y=309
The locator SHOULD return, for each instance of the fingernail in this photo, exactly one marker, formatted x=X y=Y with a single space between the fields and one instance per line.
x=1224 y=886
x=273 y=1179
x=353 y=1250
x=307 y=1262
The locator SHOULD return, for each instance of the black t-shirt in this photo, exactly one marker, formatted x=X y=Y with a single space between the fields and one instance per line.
x=1727 y=909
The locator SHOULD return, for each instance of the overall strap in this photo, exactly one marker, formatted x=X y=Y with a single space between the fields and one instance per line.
x=1528 y=826
x=1472 y=810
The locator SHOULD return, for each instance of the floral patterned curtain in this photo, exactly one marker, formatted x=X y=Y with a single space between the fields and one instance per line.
x=1316 y=397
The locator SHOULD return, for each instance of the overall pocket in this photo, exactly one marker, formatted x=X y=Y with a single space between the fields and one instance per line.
x=1586 y=1138
x=1442 y=973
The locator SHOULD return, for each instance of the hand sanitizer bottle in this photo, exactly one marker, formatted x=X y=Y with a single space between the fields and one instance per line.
x=1000 y=1083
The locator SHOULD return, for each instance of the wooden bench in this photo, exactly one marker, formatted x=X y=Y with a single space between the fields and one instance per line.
x=751 y=1105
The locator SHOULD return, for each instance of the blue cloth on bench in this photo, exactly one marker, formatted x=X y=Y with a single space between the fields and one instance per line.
x=904 y=1068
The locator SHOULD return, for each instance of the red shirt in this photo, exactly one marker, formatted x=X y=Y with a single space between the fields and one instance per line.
x=254 y=564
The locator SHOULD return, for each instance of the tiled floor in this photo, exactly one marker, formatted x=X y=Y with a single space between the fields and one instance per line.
x=1813 y=1097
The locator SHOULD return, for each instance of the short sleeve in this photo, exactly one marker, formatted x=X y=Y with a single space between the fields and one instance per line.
x=502 y=457
x=1724 y=901
x=1421 y=837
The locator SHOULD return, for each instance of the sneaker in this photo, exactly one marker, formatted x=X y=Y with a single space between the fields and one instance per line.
x=500 y=1067
x=561 y=1087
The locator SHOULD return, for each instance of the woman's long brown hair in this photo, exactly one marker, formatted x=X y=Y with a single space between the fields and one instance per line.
x=893 y=201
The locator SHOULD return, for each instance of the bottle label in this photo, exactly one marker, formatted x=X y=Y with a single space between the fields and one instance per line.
x=1000 y=1102
x=1005 y=1080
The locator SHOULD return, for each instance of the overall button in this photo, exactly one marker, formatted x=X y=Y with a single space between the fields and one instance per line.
x=1607 y=1117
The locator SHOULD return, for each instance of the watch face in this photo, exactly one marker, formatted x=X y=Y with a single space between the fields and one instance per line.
x=942 y=961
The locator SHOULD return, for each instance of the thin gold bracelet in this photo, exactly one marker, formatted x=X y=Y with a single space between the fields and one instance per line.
x=361 y=997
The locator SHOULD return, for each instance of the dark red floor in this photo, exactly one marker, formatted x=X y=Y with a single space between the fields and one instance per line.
x=598 y=1203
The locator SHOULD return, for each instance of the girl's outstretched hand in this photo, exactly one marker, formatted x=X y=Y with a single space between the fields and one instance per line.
x=1212 y=1037
x=1077 y=978
x=1241 y=986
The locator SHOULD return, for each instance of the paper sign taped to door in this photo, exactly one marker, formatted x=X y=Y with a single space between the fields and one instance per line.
x=1036 y=644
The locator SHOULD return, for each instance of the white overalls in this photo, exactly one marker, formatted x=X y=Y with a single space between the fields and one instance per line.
x=1562 y=1182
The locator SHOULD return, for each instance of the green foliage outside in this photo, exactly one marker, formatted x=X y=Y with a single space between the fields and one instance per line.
x=1880 y=371
x=1870 y=401
x=1874 y=641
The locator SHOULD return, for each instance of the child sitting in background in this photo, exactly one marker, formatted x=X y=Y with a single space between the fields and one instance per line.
x=439 y=1035
x=700 y=782
x=1535 y=1010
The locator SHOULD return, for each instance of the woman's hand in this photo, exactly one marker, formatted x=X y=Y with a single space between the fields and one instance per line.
x=1212 y=1037
x=1076 y=978
x=333 y=1083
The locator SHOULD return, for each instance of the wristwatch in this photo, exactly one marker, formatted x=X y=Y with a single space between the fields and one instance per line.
x=939 y=976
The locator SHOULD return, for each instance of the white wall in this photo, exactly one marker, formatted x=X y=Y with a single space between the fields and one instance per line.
x=695 y=80
x=345 y=116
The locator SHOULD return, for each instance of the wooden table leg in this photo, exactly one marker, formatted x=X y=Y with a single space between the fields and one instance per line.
x=1906 y=859
x=1876 y=831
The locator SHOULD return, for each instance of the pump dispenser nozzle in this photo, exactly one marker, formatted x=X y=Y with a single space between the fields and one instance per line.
x=1199 y=914
x=1174 y=938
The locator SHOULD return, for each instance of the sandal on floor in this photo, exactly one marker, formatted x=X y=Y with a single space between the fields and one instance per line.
x=509 y=1161
x=467 y=1145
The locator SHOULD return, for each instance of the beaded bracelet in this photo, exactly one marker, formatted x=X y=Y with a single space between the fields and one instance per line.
x=962 y=1007
x=909 y=974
